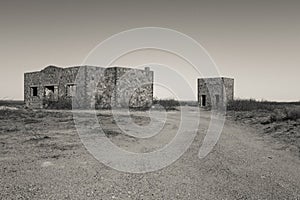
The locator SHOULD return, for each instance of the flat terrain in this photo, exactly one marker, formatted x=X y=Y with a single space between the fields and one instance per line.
x=42 y=157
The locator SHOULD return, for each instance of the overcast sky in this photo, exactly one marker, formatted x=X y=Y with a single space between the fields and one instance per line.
x=257 y=42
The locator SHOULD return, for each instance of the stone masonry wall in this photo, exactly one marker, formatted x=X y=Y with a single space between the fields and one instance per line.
x=32 y=80
x=134 y=88
x=213 y=87
x=50 y=76
x=96 y=87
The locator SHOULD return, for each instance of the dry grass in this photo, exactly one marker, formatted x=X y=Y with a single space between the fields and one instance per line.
x=249 y=105
x=279 y=120
x=278 y=111
x=168 y=104
x=12 y=103
x=293 y=114
x=61 y=104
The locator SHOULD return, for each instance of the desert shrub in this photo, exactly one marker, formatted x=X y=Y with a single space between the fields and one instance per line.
x=273 y=118
x=189 y=103
x=12 y=103
x=39 y=114
x=297 y=103
x=12 y=114
x=250 y=104
x=168 y=104
x=62 y=103
x=139 y=108
x=283 y=114
x=293 y=114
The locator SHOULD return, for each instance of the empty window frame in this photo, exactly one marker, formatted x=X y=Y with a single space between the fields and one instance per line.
x=49 y=91
x=71 y=90
x=34 y=91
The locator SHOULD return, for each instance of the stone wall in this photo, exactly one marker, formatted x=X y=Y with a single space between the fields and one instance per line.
x=32 y=80
x=50 y=76
x=214 y=93
x=96 y=87
x=229 y=88
x=134 y=88
x=114 y=87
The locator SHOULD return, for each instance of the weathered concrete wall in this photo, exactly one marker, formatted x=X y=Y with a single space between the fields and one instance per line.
x=95 y=86
x=216 y=91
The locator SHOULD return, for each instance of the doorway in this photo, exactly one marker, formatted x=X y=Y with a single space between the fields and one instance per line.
x=217 y=99
x=203 y=100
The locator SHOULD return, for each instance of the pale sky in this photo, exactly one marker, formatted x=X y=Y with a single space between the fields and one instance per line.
x=256 y=42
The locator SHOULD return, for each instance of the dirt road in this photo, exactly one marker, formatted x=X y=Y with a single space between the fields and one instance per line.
x=42 y=157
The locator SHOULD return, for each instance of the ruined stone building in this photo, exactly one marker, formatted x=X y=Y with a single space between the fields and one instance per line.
x=214 y=93
x=89 y=87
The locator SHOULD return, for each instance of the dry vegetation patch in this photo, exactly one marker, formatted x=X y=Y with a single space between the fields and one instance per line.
x=279 y=120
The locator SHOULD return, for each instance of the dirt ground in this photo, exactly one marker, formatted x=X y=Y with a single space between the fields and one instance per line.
x=42 y=157
x=274 y=124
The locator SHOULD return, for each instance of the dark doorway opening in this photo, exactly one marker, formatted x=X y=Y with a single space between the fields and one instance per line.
x=217 y=99
x=34 y=91
x=203 y=100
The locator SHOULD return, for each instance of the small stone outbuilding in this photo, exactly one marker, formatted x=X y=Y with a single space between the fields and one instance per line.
x=215 y=93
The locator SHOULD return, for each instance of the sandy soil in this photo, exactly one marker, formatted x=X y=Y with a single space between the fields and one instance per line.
x=284 y=132
x=42 y=157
